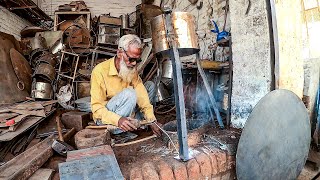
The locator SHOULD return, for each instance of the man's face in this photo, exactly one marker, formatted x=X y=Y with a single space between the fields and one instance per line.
x=131 y=56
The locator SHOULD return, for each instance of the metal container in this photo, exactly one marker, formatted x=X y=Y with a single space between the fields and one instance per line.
x=167 y=70
x=42 y=90
x=45 y=72
x=83 y=89
x=124 y=21
x=47 y=58
x=185 y=35
x=144 y=15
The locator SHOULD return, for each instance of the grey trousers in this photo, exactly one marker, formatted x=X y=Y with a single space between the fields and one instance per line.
x=125 y=102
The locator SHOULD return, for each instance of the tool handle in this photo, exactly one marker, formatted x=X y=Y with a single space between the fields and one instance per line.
x=59 y=128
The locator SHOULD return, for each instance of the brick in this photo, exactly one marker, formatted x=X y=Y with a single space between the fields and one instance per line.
x=221 y=160
x=214 y=164
x=193 y=170
x=165 y=171
x=149 y=172
x=179 y=170
x=231 y=163
x=205 y=165
x=135 y=174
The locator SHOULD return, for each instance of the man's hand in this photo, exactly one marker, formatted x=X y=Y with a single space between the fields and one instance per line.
x=155 y=129
x=126 y=124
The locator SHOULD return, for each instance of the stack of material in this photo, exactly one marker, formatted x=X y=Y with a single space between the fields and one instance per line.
x=109 y=30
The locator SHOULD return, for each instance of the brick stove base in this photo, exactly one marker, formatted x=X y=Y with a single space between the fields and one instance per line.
x=209 y=164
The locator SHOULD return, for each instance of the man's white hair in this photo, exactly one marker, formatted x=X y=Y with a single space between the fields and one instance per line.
x=129 y=39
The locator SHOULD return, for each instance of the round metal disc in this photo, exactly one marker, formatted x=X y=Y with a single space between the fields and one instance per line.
x=275 y=141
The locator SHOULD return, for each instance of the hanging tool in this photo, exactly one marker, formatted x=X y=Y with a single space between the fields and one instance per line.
x=223 y=35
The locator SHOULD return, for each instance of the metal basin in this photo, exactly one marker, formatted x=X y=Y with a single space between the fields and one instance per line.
x=185 y=35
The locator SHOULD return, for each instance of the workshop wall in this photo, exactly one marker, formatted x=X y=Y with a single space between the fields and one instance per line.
x=97 y=7
x=289 y=69
x=251 y=57
x=11 y=23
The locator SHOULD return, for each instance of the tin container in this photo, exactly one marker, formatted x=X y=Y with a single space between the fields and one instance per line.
x=185 y=37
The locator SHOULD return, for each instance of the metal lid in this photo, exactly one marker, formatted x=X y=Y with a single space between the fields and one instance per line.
x=275 y=140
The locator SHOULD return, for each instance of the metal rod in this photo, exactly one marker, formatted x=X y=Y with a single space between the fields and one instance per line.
x=179 y=99
x=211 y=97
x=178 y=92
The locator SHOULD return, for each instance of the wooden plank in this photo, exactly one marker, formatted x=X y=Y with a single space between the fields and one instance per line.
x=42 y=174
x=28 y=162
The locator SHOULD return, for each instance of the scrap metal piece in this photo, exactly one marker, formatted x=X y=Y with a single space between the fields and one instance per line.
x=9 y=92
x=276 y=138
x=42 y=90
x=45 y=71
x=91 y=163
x=61 y=147
x=22 y=69
x=211 y=97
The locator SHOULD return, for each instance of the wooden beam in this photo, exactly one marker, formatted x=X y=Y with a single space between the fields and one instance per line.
x=28 y=162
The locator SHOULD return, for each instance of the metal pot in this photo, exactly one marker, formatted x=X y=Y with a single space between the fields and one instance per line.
x=167 y=70
x=42 y=90
x=124 y=21
x=45 y=71
x=185 y=35
x=47 y=58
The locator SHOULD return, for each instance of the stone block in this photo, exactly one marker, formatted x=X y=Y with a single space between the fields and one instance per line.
x=78 y=120
x=87 y=138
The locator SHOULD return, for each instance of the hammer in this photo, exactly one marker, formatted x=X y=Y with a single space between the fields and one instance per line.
x=59 y=145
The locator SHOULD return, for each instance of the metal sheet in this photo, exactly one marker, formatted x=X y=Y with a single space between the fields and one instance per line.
x=45 y=72
x=275 y=140
x=22 y=69
x=9 y=92
x=91 y=163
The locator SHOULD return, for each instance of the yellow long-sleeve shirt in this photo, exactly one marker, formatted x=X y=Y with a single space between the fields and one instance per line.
x=105 y=83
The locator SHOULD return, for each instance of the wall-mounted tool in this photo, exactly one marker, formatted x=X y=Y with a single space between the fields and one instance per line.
x=223 y=35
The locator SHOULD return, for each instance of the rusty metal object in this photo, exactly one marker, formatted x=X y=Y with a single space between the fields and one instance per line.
x=83 y=89
x=47 y=58
x=184 y=37
x=22 y=69
x=9 y=92
x=45 y=71
x=42 y=90
x=145 y=13
x=30 y=31
x=35 y=55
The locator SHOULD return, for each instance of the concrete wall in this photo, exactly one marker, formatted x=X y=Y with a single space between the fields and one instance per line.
x=290 y=65
x=97 y=7
x=11 y=23
x=311 y=83
x=251 y=58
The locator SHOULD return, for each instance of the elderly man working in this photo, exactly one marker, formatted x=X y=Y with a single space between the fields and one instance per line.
x=116 y=89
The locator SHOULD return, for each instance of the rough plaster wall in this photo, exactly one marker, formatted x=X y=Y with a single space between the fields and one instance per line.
x=289 y=22
x=11 y=23
x=97 y=7
x=311 y=82
x=251 y=58
x=211 y=9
